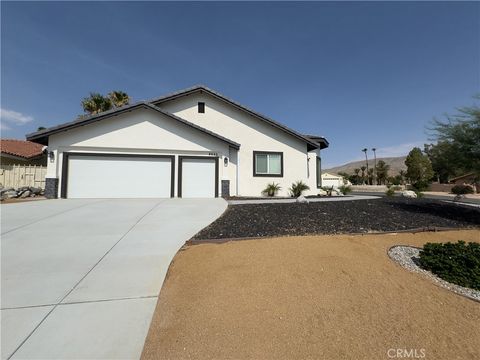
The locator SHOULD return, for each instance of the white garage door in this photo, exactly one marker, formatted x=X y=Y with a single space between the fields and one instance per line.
x=118 y=177
x=198 y=178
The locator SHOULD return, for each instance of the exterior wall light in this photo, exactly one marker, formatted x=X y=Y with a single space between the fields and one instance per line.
x=51 y=156
x=225 y=161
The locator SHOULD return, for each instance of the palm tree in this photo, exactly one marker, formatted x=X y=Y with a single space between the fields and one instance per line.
x=119 y=98
x=366 y=157
x=363 y=168
x=96 y=103
x=375 y=164
x=370 y=176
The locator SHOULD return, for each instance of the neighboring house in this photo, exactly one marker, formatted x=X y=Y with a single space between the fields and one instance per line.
x=467 y=179
x=21 y=152
x=193 y=143
x=329 y=180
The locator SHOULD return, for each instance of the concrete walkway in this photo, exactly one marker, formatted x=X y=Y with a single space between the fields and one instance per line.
x=287 y=201
x=80 y=278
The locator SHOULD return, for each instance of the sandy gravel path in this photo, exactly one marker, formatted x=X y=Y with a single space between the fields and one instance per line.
x=330 y=297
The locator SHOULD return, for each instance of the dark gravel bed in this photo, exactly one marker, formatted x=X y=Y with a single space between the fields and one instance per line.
x=359 y=216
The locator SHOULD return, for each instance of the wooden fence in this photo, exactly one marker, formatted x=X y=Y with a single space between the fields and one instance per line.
x=22 y=175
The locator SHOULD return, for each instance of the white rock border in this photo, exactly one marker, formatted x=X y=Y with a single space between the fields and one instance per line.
x=405 y=256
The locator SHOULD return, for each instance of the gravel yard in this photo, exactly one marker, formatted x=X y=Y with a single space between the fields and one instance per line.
x=361 y=216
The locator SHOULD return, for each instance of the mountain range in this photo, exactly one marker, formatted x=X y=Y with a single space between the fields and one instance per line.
x=396 y=164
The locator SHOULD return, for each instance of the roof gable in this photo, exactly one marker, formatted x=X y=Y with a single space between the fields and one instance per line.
x=42 y=135
x=312 y=143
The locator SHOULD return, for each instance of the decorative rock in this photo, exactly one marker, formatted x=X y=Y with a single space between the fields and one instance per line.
x=35 y=190
x=4 y=190
x=25 y=194
x=322 y=192
x=302 y=199
x=409 y=194
x=9 y=194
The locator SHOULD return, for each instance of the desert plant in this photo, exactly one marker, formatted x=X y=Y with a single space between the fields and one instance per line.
x=458 y=263
x=329 y=190
x=272 y=189
x=345 y=189
x=390 y=192
x=462 y=189
x=298 y=188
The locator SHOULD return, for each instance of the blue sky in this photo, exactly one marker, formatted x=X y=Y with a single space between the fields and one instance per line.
x=363 y=74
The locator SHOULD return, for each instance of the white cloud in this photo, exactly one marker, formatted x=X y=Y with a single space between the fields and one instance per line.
x=10 y=117
x=399 y=150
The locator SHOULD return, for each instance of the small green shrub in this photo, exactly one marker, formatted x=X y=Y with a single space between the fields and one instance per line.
x=420 y=186
x=462 y=189
x=345 y=189
x=390 y=192
x=298 y=188
x=458 y=263
x=419 y=194
x=272 y=189
x=329 y=190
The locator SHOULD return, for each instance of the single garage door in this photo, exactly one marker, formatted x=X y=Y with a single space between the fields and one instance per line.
x=118 y=176
x=198 y=177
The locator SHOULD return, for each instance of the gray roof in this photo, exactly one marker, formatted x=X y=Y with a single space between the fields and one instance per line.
x=313 y=143
x=42 y=135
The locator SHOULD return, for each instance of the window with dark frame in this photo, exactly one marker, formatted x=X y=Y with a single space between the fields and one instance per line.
x=268 y=164
x=201 y=107
x=319 y=172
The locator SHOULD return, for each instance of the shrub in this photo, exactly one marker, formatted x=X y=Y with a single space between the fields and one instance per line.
x=419 y=194
x=345 y=189
x=420 y=186
x=298 y=188
x=462 y=189
x=329 y=190
x=390 y=192
x=272 y=189
x=458 y=263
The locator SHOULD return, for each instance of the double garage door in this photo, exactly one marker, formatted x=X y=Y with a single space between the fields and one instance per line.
x=137 y=176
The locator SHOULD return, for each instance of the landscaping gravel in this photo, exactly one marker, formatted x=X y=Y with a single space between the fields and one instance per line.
x=361 y=216
x=408 y=256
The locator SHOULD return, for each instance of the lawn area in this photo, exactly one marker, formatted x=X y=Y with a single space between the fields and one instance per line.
x=331 y=297
x=360 y=216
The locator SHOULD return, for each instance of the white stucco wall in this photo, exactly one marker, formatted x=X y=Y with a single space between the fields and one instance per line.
x=253 y=135
x=140 y=131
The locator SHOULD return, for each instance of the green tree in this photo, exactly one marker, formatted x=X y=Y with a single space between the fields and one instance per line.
x=419 y=169
x=363 y=168
x=382 y=172
x=458 y=143
x=96 y=103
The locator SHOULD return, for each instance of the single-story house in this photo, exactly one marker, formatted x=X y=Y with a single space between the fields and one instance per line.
x=192 y=143
x=467 y=179
x=329 y=180
x=21 y=152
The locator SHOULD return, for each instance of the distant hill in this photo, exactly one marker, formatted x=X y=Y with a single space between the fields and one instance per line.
x=396 y=164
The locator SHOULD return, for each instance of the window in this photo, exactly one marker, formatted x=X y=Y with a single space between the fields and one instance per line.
x=319 y=172
x=267 y=164
x=201 y=107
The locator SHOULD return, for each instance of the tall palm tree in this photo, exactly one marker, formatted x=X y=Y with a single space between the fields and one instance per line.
x=96 y=103
x=366 y=157
x=119 y=98
x=375 y=165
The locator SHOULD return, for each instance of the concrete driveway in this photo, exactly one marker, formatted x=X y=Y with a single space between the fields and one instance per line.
x=80 y=278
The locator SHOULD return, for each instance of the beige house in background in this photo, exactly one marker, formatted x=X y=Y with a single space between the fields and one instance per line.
x=192 y=143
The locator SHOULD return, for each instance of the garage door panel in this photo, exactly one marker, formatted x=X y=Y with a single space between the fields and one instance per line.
x=198 y=178
x=118 y=177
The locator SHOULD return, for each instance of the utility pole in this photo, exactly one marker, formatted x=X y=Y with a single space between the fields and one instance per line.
x=375 y=165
